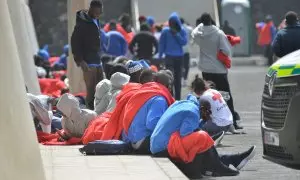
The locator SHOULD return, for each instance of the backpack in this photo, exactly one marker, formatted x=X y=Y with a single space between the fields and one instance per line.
x=106 y=147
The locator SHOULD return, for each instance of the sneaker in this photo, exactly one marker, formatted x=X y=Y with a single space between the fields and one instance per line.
x=237 y=127
x=245 y=157
x=218 y=138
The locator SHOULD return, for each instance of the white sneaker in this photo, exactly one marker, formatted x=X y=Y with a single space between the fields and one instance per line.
x=219 y=139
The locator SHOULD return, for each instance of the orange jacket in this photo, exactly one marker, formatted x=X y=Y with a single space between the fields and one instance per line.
x=128 y=36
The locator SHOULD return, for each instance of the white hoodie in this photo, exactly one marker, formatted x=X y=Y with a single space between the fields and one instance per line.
x=211 y=40
x=75 y=120
x=107 y=91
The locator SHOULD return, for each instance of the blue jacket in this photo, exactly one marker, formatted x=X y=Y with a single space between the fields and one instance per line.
x=116 y=44
x=146 y=119
x=62 y=62
x=287 y=40
x=182 y=116
x=172 y=44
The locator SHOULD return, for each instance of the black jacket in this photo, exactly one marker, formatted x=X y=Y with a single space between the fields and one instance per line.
x=85 y=40
x=143 y=44
x=287 y=40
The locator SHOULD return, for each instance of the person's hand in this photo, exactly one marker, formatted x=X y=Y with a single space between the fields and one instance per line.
x=84 y=66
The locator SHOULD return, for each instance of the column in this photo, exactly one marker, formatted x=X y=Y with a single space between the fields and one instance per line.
x=23 y=46
x=19 y=153
x=75 y=74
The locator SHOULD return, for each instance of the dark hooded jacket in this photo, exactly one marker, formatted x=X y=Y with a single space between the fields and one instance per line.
x=85 y=40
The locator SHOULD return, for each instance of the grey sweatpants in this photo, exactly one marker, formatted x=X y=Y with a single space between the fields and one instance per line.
x=212 y=129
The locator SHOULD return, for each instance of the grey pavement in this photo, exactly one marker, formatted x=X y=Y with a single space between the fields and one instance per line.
x=63 y=163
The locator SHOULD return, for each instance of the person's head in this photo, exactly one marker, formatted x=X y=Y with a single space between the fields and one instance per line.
x=121 y=60
x=112 y=25
x=147 y=75
x=291 y=18
x=66 y=49
x=118 y=68
x=158 y=27
x=206 y=19
x=198 y=85
x=125 y=19
x=182 y=20
x=96 y=9
x=165 y=77
x=145 y=27
x=142 y=19
x=38 y=60
x=135 y=69
x=205 y=110
x=150 y=21
x=211 y=84
x=268 y=18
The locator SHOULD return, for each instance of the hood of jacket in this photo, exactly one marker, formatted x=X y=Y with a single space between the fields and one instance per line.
x=69 y=105
x=206 y=31
x=118 y=80
x=193 y=99
x=175 y=17
x=83 y=17
x=102 y=88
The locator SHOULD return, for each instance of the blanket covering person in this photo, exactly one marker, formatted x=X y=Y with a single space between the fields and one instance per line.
x=130 y=100
x=175 y=131
x=51 y=87
x=75 y=120
x=225 y=59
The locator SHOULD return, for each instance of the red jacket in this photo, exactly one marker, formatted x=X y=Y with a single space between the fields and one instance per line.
x=51 y=87
x=225 y=59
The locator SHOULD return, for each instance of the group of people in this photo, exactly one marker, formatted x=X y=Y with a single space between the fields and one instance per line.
x=132 y=100
x=281 y=42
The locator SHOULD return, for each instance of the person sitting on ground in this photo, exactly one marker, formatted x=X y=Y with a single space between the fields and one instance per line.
x=145 y=120
x=108 y=89
x=221 y=117
x=41 y=110
x=143 y=43
x=147 y=75
x=193 y=151
x=135 y=69
x=61 y=64
x=75 y=120
x=116 y=44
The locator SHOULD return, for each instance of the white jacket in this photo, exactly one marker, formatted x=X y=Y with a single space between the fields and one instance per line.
x=75 y=120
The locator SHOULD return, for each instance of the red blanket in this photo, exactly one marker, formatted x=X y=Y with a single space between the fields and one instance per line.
x=52 y=139
x=186 y=148
x=225 y=59
x=146 y=92
x=51 y=87
x=128 y=36
x=109 y=125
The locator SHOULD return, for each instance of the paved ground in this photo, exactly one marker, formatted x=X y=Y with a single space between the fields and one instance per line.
x=63 y=163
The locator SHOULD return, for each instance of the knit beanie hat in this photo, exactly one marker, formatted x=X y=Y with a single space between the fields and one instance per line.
x=134 y=66
x=144 y=64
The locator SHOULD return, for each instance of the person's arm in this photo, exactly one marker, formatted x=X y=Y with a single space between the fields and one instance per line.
x=276 y=46
x=133 y=44
x=157 y=108
x=195 y=35
x=162 y=43
x=76 y=44
x=224 y=45
x=181 y=37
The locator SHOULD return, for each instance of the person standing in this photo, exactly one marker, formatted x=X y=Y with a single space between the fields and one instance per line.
x=171 y=43
x=211 y=40
x=116 y=44
x=187 y=50
x=86 y=43
x=144 y=45
x=267 y=33
x=228 y=30
x=287 y=39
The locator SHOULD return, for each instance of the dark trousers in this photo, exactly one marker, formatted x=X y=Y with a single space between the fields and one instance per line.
x=222 y=84
x=92 y=77
x=175 y=64
x=186 y=65
x=269 y=54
